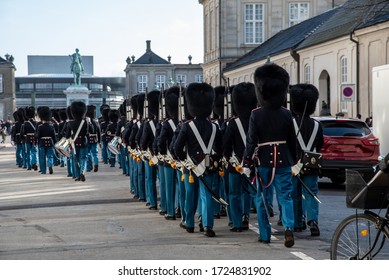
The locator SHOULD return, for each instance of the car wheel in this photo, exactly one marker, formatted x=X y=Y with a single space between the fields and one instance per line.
x=338 y=180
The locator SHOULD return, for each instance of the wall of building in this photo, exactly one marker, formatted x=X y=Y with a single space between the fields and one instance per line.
x=7 y=97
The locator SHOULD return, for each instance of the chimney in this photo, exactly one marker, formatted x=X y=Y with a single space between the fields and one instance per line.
x=148 y=48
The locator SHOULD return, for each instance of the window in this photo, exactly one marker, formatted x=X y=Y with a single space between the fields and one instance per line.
x=160 y=81
x=199 y=78
x=142 y=83
x=1 y=84
x=307 y=74
x=253 y=23
x=43 y=86
x=298 y=12
x=181 y=78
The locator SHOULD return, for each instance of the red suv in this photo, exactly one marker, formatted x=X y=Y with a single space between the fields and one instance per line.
x=348 y=144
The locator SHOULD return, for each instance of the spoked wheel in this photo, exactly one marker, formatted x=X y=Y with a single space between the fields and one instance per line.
x=354 y=237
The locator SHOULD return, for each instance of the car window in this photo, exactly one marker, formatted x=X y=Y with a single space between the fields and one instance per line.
x=344 y=128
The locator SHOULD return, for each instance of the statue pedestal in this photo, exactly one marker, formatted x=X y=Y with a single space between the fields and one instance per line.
x=77 y=93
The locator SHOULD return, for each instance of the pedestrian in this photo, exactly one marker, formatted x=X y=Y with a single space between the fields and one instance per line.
x=271 y=139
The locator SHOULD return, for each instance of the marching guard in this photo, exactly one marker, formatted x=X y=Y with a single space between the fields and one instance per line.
x=309 y=132
x=46 y=137
x=234 y=143
x=203 y=142
x=272 y=139
x=93 y=140
x=28 y=134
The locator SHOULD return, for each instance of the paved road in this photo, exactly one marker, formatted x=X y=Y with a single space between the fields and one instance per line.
x=54 y=217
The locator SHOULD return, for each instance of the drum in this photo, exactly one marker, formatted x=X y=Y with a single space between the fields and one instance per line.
x=113 y=146
x=63 y=147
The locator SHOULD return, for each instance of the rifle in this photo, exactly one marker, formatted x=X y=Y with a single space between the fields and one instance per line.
x=146 y=107
x=181 y=109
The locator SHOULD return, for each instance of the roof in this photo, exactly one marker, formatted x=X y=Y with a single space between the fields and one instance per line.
x=282 y=41
x=352 y=15
x=150 y=57
x=335 y=23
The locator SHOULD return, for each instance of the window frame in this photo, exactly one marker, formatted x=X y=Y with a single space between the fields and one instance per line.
x=142 y=81
x=299 y=18
x=256 y=34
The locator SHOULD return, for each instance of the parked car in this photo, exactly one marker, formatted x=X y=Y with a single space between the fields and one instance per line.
x=348 y=144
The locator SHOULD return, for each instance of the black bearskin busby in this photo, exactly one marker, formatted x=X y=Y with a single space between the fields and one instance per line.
x=16 y=116
x=171 y=101
x=153 y=100
x=271 y=85
x=78 y=110
x=244 y=99
x=62 y=114
x=303 y=99
x=140 y=104
x=199 y=99
x=30 y=112
x=102 y=107
x=44 y=113
x=69 y=113
x=91 y=111
x=21 y=114
x=105 y=113
x=55 y=114
x=134 y=106
x=113 y=115
x=218 y=105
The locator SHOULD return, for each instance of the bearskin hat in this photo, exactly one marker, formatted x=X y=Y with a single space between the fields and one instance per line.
x=123 y=108
x=16 y=116
x=55 y=114
x=271 y=85
x=140 y=104
x=218 y=105
x=303 y=99
x=102 y=107
x=199 y=98
x=91 y=111
x=44 y=113
x=171 y=101
x=105 y=114
x=244 y=99
x=134 y=106
x=78 y=109
x=113 y=115
x=21 y=114
x=62 y=114
x=69 y=113
x=153 y=100
x=30 y=112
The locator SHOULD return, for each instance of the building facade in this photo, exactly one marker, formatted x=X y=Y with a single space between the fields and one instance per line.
x=7 y=87
x=150 y=71
x=337 y=48
x=232 y=28
x=49 y=76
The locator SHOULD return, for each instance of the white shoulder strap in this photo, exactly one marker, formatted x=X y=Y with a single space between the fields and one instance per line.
x=241 y=130
x=172 y=125
x=311 y=139
x=79 y=129
x=206 y=150
x=152 y=125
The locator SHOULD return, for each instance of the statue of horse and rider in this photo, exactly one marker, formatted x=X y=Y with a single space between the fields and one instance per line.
x=76 y=67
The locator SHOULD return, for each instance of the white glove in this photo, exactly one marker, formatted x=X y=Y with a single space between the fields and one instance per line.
x=296 y=168
x=246 y=171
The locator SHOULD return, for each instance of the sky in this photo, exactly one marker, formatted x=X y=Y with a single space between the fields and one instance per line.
x=108 y=30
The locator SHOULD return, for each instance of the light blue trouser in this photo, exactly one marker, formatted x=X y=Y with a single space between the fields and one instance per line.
x=207 y=203
x=104 y=151
x=19 y=154
x=122 y=159
x=162 y=187
x=170 y=184
x=151 y=183
x=235 y=198
x=141 y=180
x=31 y=155
x=283 y=187
x=93 y=158
x=181 y=194
x=80 y=161
x=308 y=207
x=46 y=153
x=191 y=200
